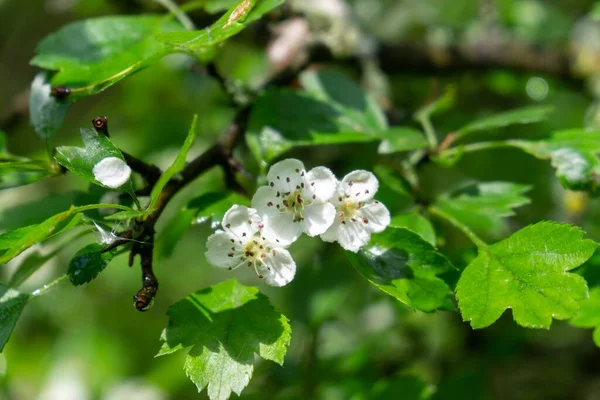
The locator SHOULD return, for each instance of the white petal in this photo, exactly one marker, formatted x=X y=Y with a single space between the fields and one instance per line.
x=360 y=185
x=286 y=175
x=279 y=269
x=218 y=249
x=353 y=235
x=281 y=230
x=112 y=172
x=331 y=234
x=377 y=215
x=241 y=221
x=318 y=218
x=264 y=196
x=321 y=182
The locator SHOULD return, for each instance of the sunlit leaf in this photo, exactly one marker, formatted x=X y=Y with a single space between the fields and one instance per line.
x=225 y=325
x=415 y=222
x=589 y=314
x=528 y=273
x=399 y=139
x=402 y=264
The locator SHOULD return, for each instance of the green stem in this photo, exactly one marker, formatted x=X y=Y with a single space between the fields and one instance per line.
x=96 y=206
x=465 y=229
x=481 y=146
x=44 y=289
x=425 y=121
x=178 y=13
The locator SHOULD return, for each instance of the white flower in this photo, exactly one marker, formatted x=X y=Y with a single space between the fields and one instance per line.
x=244 y=241
x=296 y=201
x=112 y=172
x=358 y=215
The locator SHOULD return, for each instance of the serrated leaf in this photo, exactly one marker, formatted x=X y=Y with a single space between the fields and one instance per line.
x=529 y=273
x=81 y=160
x=230 y=24
x=46 y=112
x=402 y=264
x=482 y=206
x=225 y=325
x=415 y=222
x=12 y=303
x=212 y=206
x=88 y=263
x=525 y=115
x=589 y=314
x=401 y=138
x=14 y=242
x=332 y=110
x=175 y=168
x=96 y=53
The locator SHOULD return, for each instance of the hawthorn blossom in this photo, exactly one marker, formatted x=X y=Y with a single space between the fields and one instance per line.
x=245 y=241
x=112 y=172
x=358 y=215
x=296 y=201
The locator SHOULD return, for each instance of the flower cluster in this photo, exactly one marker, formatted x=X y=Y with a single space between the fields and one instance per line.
x=294 y=202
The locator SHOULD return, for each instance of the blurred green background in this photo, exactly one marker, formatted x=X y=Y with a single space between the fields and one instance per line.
x=349 y=340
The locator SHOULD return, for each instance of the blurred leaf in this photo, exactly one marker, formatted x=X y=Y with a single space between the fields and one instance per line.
x=173 y=231
x=332 y=110
x=226 y=324
x=527 y=272
x=482 y=206
x=46 y=112
x=123 y=215
x=12 y=303
x=416 y=223
x=405 y=387
x=387 y=176
x=14 y=242
x=81 y=160
x=400 y=138
x=402 y=264
x=88 y=263
x=94 y=54
x=212 y=206
x=31 y=264
x=175 y=168
x=589 y=314
x=525 y=115
x=230 y=24
x=443 y=103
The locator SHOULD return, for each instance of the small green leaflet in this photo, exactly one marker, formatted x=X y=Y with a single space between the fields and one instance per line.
x=13 y=243
x=88 y=263
x=12 y=303
x=482 y=206
x=81 y=160
x=331 y=110
x=212 y=206
x=401 y=138
x=175 y=168
x=416 y=223
x=46 y=113
x=525 y=115
x=589 y=314
x=402 y=264
x=94 y=54
x=529 y=273
x=230 y=24
x=225 y=325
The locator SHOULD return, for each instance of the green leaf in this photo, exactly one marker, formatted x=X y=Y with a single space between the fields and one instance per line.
x=525 y=115
x=589 y=314
x=171 y=233
x=482 y=206
x=175 y=168
x=45 y=111
x=212 y=206
x=81 y=160
x=12 y=303
x=388 y=177
x=14 y=242
x=94 y=54
x=527 y=272
x=402 y=264
x=88 y=263
x=31 y=264
x=230 y=24
x=402 y=138
x=20 y=173
x=416 y=223
x=332 y=110
x=225 y=325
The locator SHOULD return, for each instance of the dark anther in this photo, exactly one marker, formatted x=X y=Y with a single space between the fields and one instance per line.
x=271 y=184
x=297 y=170
x=287 y=179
